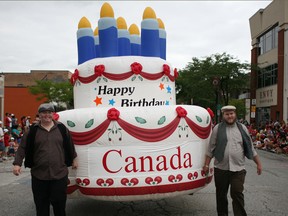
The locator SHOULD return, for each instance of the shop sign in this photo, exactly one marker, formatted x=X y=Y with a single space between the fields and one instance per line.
x=266 y=96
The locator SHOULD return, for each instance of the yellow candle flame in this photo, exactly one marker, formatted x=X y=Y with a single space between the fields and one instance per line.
x=121 y=23
x=149 y=13
x=106 y=10
x=84 y=23
x=133 y=29
x=160 y=23
x=96 y=32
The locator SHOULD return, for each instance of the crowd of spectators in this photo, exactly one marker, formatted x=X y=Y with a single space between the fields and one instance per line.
x=11 y=131
x=270 y=136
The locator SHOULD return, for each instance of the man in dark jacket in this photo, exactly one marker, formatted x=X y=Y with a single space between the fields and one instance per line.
x=48 y=150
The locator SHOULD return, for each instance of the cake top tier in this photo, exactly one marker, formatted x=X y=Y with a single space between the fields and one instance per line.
x=112 y=38
x=124 y=81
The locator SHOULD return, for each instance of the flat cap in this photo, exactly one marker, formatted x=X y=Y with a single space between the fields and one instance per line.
x=46 y=107
x=228 y=108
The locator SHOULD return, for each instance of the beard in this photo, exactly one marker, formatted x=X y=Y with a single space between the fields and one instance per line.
x=230 y=121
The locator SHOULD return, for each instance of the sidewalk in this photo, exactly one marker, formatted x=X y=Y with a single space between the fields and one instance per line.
x=7 y=177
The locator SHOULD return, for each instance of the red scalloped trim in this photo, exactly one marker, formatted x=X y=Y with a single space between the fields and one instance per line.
x=71 y=189
x=145 y=190
x=144 y=134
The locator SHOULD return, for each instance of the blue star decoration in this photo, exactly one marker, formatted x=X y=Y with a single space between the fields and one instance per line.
x=111 y=102
x=168 y=89
x=167 y=102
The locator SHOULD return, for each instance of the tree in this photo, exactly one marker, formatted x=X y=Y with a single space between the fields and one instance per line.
x=241 y=109
x=212 y=81
x=60 y=93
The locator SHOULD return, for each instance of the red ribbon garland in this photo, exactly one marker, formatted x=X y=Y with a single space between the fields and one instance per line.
x=136 y=69
x=147 y=135
x=74 y=77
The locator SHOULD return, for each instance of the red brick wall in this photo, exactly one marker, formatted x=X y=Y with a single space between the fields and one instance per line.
x=253 y=77
x=279 y=106
x=20 y=102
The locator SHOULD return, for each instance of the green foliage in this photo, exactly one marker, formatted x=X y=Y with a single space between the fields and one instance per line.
x=58 y=92
x=195 y=81
x=240 y=107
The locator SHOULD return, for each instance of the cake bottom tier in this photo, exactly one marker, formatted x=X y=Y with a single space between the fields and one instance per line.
x=127 y=154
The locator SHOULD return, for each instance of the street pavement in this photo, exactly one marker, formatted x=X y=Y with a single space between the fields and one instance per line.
x=265 y=195
x=7 y=176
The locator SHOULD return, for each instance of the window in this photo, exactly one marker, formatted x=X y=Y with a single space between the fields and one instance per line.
x=267 y=76
x=269 y=40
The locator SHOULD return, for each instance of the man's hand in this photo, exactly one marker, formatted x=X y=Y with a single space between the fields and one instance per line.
x=258 y=163
x=16 y=170
x=259 y=169
x=206 y=165
x=206 y=169
x=75 y=163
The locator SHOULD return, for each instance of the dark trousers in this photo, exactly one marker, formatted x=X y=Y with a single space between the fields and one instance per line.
x=224 y=179
x=50 y=192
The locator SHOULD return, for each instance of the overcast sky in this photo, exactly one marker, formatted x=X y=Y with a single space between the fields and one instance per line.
x=41 y=35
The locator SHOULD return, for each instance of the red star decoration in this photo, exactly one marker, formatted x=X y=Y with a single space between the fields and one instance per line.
x=161 y=86
x=98 y=101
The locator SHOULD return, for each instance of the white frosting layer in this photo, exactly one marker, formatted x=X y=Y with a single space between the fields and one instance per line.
x=123 y=151
x=133 y=91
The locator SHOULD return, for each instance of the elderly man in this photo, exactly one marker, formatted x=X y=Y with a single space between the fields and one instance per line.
x=48 y=150
x=230 y=143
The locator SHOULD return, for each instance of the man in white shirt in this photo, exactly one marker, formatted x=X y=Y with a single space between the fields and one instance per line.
x=230 y=143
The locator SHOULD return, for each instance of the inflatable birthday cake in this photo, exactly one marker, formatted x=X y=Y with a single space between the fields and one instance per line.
x=133 y=141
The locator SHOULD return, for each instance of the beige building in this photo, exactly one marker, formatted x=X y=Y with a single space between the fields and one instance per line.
x=269 y=74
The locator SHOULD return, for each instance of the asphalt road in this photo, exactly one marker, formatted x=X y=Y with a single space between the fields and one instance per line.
x=265 y=195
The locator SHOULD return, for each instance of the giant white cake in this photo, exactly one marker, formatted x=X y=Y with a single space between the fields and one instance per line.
x=133 y=141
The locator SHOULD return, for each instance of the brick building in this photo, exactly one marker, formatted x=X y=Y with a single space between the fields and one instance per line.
x=269 y=76
x=17 y=97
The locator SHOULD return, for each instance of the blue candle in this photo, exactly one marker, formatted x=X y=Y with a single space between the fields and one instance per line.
x=108 y=33
x=162 y=36
x=97 y=45
x=85 y=41
x=135 y=40
x=124 y=45
x=150 y=43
